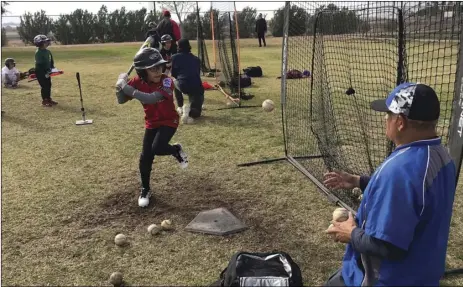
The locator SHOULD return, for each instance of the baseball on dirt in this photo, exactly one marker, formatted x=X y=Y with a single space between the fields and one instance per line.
x=154 y=229
x=116 y=278
x=268 y=105
x=166 y=224
x=340 y=214
x=120 y=239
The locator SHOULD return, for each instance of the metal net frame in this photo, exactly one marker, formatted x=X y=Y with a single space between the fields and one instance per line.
x=226 y=50
x=202 y=50
x=356 y=54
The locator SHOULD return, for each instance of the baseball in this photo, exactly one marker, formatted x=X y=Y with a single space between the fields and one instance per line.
x=154 y=229
x=332 y=235
x=340 y=214
x=268 y=105
x=120 y=239
x=116 y=278
x=166 y=225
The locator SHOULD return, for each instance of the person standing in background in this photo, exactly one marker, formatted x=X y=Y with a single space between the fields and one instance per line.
x=169 y=27
x=261 y=29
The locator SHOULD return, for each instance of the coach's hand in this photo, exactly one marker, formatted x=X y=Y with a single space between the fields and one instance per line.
x=341 y=180
x=341 y=231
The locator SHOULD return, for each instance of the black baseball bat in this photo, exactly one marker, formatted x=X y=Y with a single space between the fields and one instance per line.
x=80 y=91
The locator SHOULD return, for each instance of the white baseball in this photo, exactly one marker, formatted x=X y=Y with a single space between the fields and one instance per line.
x=340 y=214
x=268 y=105
x=166 y=225
x=116 y=278
x=154 y=229
x=120 y=239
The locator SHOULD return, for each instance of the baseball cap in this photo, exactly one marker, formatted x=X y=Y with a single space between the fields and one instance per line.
x=166 y=13
x=416 y=101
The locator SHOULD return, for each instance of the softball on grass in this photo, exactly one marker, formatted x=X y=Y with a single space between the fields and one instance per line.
x=116 y=278
x=340 y=214
x=268 y=105
x=154 y=229
x=120 y=239
x=166 y=224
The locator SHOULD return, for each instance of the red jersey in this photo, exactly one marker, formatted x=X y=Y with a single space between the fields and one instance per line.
x=162 y=113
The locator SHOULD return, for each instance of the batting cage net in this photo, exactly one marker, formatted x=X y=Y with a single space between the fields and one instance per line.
x=202 y=51
x=356 y=52
x=226 y=48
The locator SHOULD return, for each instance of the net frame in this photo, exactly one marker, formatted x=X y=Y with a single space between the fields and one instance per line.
x=455 y=126
x=202 y=50
x=227 y=78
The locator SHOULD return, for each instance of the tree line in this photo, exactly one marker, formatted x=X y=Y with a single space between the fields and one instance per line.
x=83 y=27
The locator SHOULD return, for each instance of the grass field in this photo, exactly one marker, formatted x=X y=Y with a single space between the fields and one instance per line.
x=68 y=190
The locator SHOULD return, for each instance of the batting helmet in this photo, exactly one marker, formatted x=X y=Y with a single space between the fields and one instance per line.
x=145 y=59
x=40 y=39
x=9 y=61
x=166 y=38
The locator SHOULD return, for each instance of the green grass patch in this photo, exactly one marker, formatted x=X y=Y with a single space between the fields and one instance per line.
x=68 y=190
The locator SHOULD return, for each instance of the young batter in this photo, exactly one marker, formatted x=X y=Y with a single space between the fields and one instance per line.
x=43 y=65
x=155 y=91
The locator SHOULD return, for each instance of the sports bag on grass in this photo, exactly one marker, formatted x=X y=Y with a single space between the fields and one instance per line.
x=253 y=71
x=260 y=269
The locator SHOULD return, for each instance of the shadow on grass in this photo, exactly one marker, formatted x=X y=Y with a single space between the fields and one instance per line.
x=31 y=125
x=247 y=120
x=88 y=111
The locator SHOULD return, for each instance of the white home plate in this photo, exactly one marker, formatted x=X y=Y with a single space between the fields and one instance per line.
x=217 y=221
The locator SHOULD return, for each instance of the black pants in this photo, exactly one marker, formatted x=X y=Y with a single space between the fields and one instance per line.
x=155 y=142
x=45 y=84
x=335 y=279
x=261 y=36
x=196 y=102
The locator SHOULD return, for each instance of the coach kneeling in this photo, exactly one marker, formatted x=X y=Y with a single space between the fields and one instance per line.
x=186 y=69
x=400 y=235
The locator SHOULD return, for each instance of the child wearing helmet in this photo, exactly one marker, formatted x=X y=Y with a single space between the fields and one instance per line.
x=166 y=42
x=10 y=75
x=155 y=92
x=43 y=66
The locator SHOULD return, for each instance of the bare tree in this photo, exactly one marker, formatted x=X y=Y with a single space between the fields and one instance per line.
x=4 y=4
x=181 y=9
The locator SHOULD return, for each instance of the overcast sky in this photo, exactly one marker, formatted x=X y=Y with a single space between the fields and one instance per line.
x=18 y=8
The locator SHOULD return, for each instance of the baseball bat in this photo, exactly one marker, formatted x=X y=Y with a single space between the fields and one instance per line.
x=80 y=91
x=144 y=45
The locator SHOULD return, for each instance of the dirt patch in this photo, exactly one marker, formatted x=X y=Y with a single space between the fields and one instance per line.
x=120 y=206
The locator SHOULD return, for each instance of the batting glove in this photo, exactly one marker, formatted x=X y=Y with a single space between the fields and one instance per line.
x=120 y=84
x=124 y=76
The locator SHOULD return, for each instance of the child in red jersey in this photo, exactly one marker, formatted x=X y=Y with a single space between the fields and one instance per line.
x=155 y=91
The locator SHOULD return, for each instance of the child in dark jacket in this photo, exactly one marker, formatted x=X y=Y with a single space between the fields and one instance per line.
x=43 y=67
x=155 y=91
x=186 y=69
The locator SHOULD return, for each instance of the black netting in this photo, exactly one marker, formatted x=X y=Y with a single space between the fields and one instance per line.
x=355 y=53
x=226 y=57
x=432 y=42
x=202 y=51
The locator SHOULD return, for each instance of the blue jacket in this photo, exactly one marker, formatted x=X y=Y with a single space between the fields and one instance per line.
x=407 y=203
x=186 y=68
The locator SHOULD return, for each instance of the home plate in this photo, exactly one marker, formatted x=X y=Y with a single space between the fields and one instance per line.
x=217 y=221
